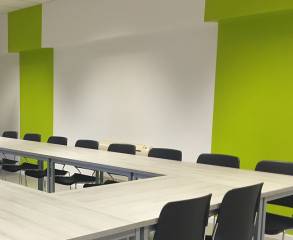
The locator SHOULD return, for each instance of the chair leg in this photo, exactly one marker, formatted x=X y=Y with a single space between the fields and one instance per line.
x=45 y=185
x=75 y=186
x=283 y=236
x=70 y=187
x=25 y=180
x=19 y=177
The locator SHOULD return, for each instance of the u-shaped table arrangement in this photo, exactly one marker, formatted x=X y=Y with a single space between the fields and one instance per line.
x=115 y=211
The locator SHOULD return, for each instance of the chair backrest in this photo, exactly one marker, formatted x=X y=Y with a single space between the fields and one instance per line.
x=57 y=140
x=32 y=137
x=237 y=214
x=10 y=134
x=91 y=144
x=285 y=168
x=184 y=220
x=219 y=160
x=169 y=154
x=122 y=148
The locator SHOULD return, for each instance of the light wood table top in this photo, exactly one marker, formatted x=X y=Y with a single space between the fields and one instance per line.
x=98 y=211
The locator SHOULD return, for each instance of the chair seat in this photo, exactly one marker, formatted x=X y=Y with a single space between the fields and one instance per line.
x=36 y=173
x=43 y=173
x=11 y=168
x=8 y=161
x=64 y=180
x=276 y=224
x=29 y=166
x=81 y=178
x=98 y=184
x=74 y=179
x=59 y=172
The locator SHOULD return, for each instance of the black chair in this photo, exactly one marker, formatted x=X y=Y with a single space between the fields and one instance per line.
x=10 y=134
x=165 y=153
x=41 y=173
x=13 y=135
x=219 y=160
x=119 y=148
x=183 y=220
x=34 y=137
x=18 y=168
x=276 y=224
x=122 y=148
x=77 y=178
x=237 y=214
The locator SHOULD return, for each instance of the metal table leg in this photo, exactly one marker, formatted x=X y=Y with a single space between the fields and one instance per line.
x=51 y=176
x=142 y=233
x=261 y=221
x=41 y=180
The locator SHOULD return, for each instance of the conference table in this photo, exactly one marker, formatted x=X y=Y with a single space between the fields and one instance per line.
x=120 y=210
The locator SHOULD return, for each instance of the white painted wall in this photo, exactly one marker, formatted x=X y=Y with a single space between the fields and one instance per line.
x=9 y=82
x=133 y=71
x=3 y=34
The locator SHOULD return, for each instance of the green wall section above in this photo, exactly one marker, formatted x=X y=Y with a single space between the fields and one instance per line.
x=25 y=29
x=253 y=96
x=36 y=92
x=217 y=10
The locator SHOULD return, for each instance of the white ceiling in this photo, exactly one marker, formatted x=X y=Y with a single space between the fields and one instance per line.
x=11 y=5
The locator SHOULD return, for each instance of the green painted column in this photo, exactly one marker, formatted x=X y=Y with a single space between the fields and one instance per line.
x=36 y=92
x=25 y=29
x=36 y=71
x=217 y=10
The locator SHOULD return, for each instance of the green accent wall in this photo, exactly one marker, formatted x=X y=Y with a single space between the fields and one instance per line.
x=25 y=29
x=222 y=9
x=253 y=94
x=36 y=71
x=36 y=92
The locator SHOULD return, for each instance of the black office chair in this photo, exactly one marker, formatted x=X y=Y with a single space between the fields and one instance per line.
x=276 y=224
x=165 y=153
x=18 y=168
x=41 y=173
x=237 y=214
x=184 y=220
x=122 y=148
x=77 y=178
x=219 y=160
x=119 y=148
x=9 y=134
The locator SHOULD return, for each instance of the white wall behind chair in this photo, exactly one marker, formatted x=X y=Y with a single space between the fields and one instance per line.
x=133 y=71
x=9 y=82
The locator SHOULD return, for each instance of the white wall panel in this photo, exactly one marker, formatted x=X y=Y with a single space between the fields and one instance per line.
x=9 y=92
x=137 y=71
x=3 y=34
x=70 y=22
x=151 y=89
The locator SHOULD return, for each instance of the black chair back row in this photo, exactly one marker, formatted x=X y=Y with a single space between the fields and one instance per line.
x=219 y=160
x=122 y=148
x=90 y=144
x=165 y=153
x=10 y=134
x=275 y=223
x=188 y=219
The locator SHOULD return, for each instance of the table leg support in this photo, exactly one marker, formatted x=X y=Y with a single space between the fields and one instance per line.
x=41 y=180
x=261 y=221
x=142 y=233
x=51 y=176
